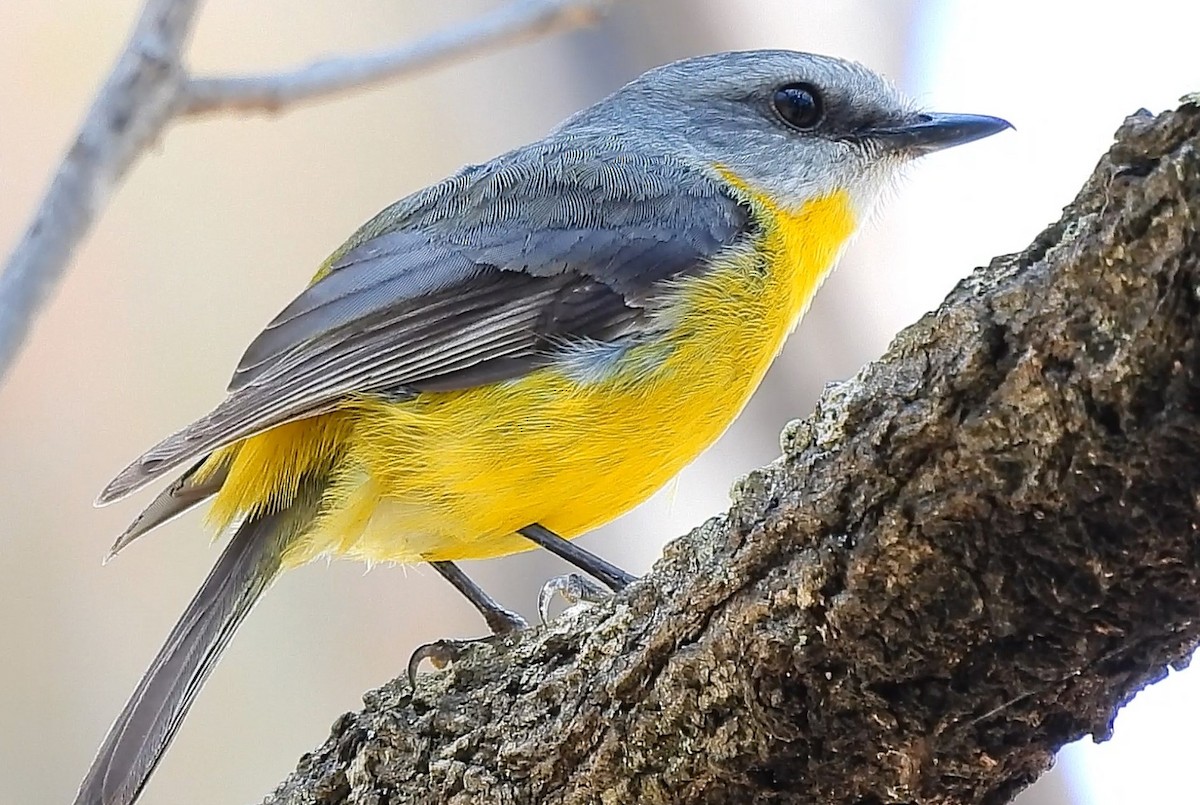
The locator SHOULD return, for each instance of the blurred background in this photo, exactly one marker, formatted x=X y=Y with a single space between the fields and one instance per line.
x=223 y=223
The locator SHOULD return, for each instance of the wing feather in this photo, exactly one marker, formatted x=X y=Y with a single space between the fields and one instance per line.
x=476 y=280
x=185 y=493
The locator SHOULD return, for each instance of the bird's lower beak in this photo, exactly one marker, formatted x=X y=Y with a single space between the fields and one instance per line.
x=932 y=132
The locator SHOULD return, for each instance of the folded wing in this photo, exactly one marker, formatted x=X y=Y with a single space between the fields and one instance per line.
x=474 y=281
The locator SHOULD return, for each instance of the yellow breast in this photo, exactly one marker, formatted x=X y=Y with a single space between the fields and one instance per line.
x=452 y=475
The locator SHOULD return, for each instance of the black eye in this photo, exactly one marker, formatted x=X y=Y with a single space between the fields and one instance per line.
x=799 y=105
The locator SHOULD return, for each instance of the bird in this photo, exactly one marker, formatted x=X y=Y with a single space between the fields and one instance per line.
x=525 y=350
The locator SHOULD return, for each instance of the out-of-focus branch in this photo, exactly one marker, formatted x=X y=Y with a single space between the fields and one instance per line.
x=149 y=87
x=272 y=91
x=970 y=555
x=127 y=115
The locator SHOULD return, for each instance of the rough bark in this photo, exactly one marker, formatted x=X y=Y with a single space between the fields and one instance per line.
x=972 y=553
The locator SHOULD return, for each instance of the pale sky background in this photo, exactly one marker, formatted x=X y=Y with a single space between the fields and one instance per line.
x=223 y=223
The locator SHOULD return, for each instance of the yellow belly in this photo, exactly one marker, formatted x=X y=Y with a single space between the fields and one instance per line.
x=452 y=475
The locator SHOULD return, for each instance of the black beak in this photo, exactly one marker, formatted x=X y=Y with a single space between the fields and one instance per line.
x=931 y=132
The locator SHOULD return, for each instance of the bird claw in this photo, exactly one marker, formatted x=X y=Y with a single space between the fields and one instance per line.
x=440 y=653
x=572 y=588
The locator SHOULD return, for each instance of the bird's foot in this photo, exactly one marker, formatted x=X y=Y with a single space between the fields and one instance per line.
x=441 y=653
x=573 y=589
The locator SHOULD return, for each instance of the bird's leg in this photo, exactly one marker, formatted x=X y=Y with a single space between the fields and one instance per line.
x=573 y=587
x=613 y=577
x=500 y=620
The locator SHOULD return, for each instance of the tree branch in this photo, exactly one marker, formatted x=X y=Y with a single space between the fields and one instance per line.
x=273 y=91
x=149 y=87
x=971 y=554
x=127 y=115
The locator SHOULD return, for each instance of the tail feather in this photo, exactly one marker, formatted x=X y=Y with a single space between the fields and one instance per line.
x=141 y=734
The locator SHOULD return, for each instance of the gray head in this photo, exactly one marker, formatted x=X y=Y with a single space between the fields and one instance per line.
x=792 y=125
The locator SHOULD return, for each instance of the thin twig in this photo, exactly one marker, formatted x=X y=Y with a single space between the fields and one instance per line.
x=127 y=115
x=149 y=87
x=271 y=92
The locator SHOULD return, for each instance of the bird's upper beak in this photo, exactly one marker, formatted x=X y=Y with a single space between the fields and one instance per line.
x=929 y=132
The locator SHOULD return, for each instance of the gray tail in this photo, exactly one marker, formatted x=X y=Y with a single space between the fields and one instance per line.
x=141 y=734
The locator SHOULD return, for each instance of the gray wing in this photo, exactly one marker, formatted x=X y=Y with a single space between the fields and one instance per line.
x=476 y=280
x=184 y=493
